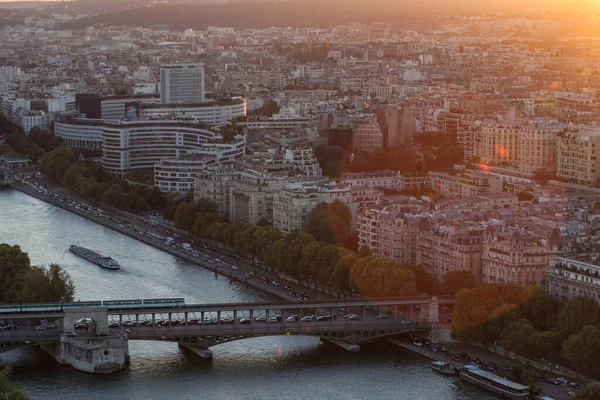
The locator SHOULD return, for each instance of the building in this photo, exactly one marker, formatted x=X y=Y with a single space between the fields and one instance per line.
x=178 y=174
x=377 y=179
x=296 y=200
x=578 y=160
x=304 y=161
x=112 y=107
x=399 y=122
x=252 y=194
x=139 y=144
x=210 y=111
x=79 y=133
x=367 y=134
x=464 y=185
x=443 y=248
x=28 y=119
x=517 y=256
x=214 y=184
x=572 y=276
x=181 y=83
x=389 y=233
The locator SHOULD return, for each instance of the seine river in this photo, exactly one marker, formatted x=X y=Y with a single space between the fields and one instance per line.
x=265 y=368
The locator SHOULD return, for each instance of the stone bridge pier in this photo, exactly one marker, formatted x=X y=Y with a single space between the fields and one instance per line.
x=86 y=351
x=430 y=311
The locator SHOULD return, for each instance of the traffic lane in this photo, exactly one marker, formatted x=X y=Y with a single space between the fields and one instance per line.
x=371 y=322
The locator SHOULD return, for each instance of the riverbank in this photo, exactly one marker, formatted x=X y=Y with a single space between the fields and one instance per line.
x=505 y=364
x=230 y=274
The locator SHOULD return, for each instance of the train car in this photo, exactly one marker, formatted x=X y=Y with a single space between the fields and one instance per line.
x=123 y=303
x=164 y=302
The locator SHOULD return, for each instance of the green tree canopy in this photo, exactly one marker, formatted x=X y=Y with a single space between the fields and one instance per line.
x=579 y=312
x=583 y=349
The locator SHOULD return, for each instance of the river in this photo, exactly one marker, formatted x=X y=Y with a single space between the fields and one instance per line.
x=265 y=368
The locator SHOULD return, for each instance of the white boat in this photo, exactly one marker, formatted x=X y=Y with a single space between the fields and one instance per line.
x=444 y=367
x=494 y=383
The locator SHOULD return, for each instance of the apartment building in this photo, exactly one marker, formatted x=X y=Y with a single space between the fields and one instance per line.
x=367 y=134
x=464 y=185
x=181 y=83
x=578 y=160
x=572 y=276
x=443 y=248
x=296 y=200
x=214 y=184
x=376 y=179
x=303 y=160
x=517 y=256
x=252 y=194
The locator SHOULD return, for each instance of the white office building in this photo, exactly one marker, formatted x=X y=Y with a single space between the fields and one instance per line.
x=181 y=83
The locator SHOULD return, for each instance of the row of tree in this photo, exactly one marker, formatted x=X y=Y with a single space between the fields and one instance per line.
x=88 y=179
x=24 y=283
x=316 y=254
x=531 y=323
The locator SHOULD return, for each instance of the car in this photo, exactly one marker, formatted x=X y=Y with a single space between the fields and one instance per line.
x=574 y=385
x=382 y=316
x=10 y=327
x=406 y=322
x=43 y=327
x=193 y=322
x=307 y=318
x=227 y=320
x=322 y=318
x=235 y=267
x=353 y=317
x=114 y=325
x=84 y=321
x=292 y=318
x=70 y=334
x=275 y=283
x=260 y=319
x=81 y=326
x=273 y=320
x=245 y=320
x=102 y=334
x=208 y=321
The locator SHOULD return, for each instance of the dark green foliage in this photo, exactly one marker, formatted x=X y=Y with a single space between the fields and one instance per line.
x=8 y=390
x=22 y=282
x=590 y=392
x=92 y=182
x=583 y=349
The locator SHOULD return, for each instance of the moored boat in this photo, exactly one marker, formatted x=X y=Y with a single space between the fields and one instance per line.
x=494 y=383
x=444 y=367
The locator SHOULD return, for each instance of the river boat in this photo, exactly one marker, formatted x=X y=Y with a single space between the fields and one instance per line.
x=444 y=367
x=494 y=383
x=96 y=258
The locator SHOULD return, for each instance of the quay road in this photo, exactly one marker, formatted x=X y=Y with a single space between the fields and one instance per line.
x=142 y=229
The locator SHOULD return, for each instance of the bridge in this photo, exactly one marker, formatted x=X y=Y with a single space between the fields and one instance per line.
x=102 y=347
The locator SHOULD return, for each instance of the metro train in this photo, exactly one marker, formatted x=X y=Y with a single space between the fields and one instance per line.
x=110 y=304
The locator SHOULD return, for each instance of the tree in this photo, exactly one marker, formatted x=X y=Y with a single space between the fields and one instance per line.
x=583 y=349
x=14 y=263
x=517 y=337
x=542 y=309
x=579 y=312
x=8 y=390
x=545 y=343
x=56 y=163
x=590 y=392
x=365 y=251
x=456 y=280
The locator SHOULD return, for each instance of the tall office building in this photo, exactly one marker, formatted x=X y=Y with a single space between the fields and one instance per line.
x=181 y=83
